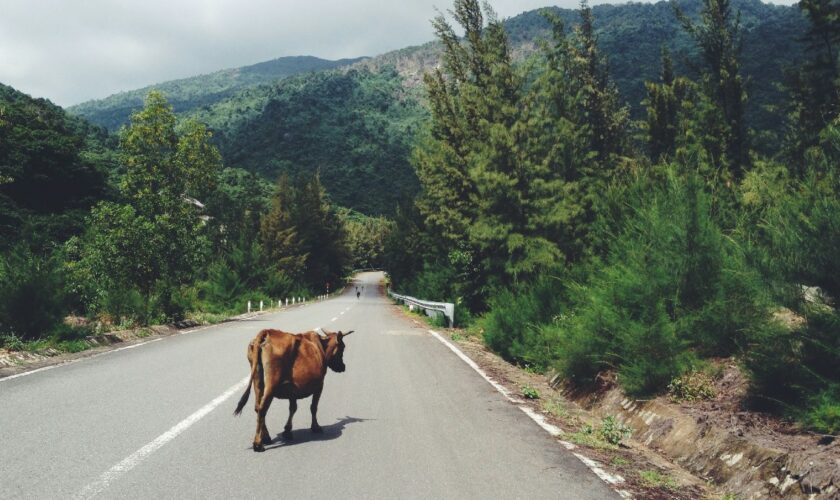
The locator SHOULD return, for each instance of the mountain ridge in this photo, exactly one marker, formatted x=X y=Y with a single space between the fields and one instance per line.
x=113 y=111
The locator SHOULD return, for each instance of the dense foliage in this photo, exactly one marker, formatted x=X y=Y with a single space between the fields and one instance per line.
x=195 y=92
x=177 y=235
x=358 y=125
x=588 y=256
x=356 y=128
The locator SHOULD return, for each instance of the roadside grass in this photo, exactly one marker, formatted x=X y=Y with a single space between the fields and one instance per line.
x=530 y=392
x=655 y=479
x=607 y=436
x=555 y=408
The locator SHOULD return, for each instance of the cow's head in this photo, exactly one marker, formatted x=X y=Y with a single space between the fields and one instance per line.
x=334 y=348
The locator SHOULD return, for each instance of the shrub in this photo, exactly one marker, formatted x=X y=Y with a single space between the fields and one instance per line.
x=32 y=302
x=671 y=286
x=530 y=392
x=613 y=431
x=512 y=326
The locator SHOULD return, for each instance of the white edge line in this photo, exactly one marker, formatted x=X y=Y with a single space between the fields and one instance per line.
x=138 y=456
x=555 y=431
x=71 y=361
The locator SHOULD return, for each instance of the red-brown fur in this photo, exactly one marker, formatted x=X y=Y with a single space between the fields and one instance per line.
x=289 y=366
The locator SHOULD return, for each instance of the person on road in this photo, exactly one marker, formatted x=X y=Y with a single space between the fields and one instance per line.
x=358 y=293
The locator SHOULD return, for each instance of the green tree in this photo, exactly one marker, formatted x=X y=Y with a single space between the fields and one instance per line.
x=153 y=243
x=814 y=87
x=481 y=191
x=282 y=248
x=718 y=35
x=321 y=234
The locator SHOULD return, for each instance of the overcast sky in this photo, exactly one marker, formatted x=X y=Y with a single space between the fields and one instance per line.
x=70 y=51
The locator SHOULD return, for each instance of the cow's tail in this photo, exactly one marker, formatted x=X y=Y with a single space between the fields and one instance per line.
x=256 y=367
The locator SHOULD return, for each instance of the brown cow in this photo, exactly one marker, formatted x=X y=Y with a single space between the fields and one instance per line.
x=289 y=366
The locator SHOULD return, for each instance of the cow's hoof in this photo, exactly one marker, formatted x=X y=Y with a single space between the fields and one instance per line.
x=259 y=447
x=317 y=429
x=266 y=440
x=287 y=435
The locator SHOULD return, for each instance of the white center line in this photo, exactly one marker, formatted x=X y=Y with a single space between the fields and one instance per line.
x=138 y=456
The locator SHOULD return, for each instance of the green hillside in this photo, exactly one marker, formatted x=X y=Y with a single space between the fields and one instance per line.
x=189 y=93
x=356 y=124
x=53 y=167
x=355 y=127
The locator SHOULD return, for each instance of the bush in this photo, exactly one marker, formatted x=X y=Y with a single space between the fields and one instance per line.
x=32 y=302
x=512 y=326
x=671 y=286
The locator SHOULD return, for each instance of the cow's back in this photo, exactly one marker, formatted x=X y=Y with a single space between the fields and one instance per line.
x=296 y=363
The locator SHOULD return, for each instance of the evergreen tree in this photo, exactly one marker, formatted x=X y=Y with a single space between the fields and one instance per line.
x=663 y=102
x=814 y=88
x=278 y=234
x=321 y=234
x=480 y=190
x=719 y=38
x=605 y=114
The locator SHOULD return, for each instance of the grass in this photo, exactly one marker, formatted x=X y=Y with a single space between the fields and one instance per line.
x=555 y=408
x=607 y=436
x=695 y=385
x=619 y=461
x=655 y=479
x=587 y=436
x=530 y=392
x=457 y=337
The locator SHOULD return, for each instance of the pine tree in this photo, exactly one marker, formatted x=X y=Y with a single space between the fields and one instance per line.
x=321 y=233
x=606 y=116
x=815 y=87
x=719 y=38
x=481 y=192
x=663 y=103
x=281 y=247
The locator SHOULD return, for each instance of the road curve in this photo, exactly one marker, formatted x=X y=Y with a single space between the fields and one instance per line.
x=408 y=419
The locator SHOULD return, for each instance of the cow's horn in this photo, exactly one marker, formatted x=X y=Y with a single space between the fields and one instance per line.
x=347 y=333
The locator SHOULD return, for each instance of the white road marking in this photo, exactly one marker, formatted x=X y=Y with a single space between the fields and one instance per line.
x=334 y=318
x=38 y=370
x=536 y=417
x=138 y=456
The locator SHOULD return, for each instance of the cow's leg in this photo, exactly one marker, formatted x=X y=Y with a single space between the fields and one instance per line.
x=314 y=409
x=263 y=404
x=287 y=430
x=262 y=437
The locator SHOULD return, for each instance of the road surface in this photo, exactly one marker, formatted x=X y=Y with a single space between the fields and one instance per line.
x=408 y=419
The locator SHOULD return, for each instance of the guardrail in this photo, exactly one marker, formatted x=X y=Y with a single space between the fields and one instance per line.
x=445 y=308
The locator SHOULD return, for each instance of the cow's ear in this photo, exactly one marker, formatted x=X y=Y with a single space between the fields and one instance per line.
x=346 y=333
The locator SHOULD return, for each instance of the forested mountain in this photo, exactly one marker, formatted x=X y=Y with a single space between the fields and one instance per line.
x=355 y=127
x=189 y=93
x=356 y=124
x=53 y=167
x=631 y=37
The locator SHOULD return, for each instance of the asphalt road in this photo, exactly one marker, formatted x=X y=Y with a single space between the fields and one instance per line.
x=408 y=419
